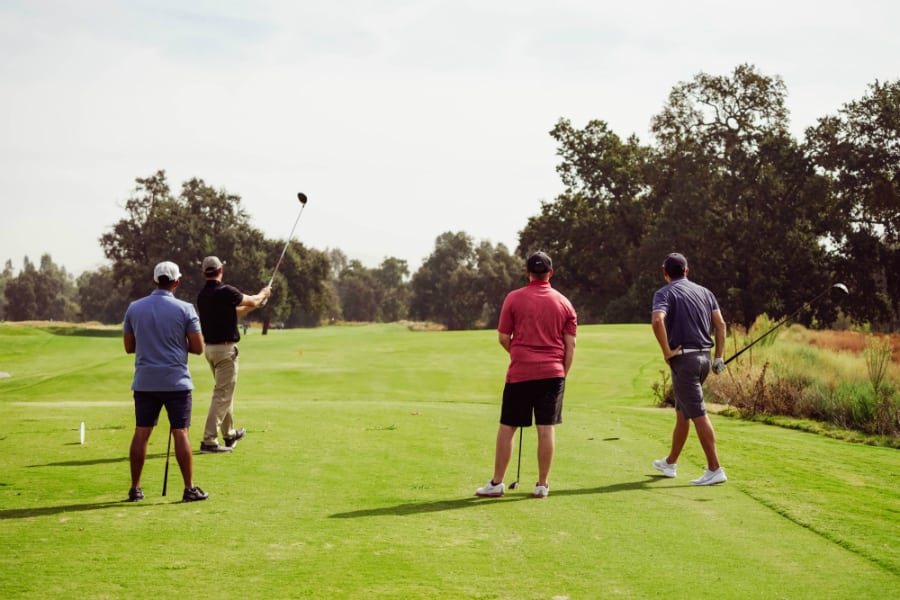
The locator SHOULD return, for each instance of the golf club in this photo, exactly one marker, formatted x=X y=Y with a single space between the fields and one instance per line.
x=168 y=452
x=805 y=306
x=515 y=483
x=302 y=198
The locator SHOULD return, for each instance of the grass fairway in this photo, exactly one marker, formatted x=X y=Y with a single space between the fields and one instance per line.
x=356 y=480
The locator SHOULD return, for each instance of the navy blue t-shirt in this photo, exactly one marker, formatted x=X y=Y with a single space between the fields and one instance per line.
x=688 y=307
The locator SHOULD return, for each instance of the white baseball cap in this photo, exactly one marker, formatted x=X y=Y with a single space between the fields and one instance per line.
x=166 y=269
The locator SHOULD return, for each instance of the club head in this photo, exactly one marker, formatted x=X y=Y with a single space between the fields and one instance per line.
x=841 y=287
x=301 y=197
x=514 y=485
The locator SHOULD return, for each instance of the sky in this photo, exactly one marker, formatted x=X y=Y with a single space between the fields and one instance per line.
x=399 y=119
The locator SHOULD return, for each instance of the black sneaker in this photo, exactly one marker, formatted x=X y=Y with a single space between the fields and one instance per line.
x=213 y=448
x=231 y=442
x=135 y=494
x=194 y=494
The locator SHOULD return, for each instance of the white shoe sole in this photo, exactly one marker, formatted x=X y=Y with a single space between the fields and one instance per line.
x=664 y=471
x=711 y=481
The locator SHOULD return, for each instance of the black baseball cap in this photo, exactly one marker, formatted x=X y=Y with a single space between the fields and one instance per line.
x=675 y=265
x=539 y=263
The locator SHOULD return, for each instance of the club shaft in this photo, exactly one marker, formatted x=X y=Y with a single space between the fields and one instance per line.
x=519 y=466
x=791 y=316
x=166 y=475
x=286 y=244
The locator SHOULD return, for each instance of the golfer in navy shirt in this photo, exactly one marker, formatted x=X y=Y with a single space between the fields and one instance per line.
x=684 y=317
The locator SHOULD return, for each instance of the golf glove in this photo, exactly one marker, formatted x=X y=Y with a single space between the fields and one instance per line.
x=718 y=366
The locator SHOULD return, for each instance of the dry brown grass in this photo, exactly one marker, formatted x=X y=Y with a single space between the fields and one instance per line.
x=848 y=341
x=818 y=375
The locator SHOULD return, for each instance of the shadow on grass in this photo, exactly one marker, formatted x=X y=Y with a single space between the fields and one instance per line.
x=414 y=508
x=81 y=331
x=24 y=513
x=97 y=461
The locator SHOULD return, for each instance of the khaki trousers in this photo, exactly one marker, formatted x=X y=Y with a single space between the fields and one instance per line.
x=223 y=360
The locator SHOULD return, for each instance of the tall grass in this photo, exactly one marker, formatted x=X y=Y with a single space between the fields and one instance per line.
x=810 y=375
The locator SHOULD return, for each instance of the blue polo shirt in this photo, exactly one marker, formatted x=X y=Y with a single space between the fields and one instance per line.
x=160 y=324
x=688 y=307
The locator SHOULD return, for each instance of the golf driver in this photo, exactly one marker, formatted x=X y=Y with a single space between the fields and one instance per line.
x=515 y=483
x=168 y=452
x=302 y=198
x=806 y=306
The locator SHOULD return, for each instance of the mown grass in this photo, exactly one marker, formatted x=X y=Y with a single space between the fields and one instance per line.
x=364 y=447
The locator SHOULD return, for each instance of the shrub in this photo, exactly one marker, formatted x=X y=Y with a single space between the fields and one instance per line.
x=819 y=376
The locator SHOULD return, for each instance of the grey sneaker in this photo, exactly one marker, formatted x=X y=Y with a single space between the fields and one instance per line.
x=711 y=477
x=135 y=494
x=193 y=494
x=213 y=448
x=231 y=442
x=490 y=490
x=663 y=465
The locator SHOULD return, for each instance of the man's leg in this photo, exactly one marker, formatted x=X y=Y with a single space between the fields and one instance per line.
x=505 y=436
x=223 y=368
x=231 y=373
x=184 y=456
x=707 y=436
x=138 y=453
x=546 y=447
x=679 y=436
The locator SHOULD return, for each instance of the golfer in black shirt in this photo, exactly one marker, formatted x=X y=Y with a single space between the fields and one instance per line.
x=220 y=306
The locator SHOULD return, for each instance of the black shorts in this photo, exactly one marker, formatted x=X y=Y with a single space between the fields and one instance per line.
x=543 y=397
x=147 y=406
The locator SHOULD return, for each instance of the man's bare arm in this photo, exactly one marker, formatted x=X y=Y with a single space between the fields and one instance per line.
x=195 y=343
x=130 y=343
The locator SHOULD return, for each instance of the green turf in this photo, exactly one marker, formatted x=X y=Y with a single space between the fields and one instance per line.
x=364 y=447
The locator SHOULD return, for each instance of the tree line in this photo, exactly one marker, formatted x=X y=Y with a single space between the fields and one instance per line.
x=767 y=221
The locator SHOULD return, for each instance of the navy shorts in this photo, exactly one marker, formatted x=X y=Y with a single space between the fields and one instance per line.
x=689 y=371
x=542 y=397
x=147 y=406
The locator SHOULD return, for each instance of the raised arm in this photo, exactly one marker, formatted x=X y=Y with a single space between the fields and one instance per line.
x=250 y=303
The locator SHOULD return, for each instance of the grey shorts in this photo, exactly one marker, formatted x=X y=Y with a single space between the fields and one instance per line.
x=689 y=371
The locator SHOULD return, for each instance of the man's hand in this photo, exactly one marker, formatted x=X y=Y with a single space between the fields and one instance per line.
x=672 y=352
x=718 y=366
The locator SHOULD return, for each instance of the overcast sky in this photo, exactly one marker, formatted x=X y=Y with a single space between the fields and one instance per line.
x=400 y=119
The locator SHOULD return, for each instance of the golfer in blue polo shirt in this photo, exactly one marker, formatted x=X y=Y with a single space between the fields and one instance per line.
x=160 y=330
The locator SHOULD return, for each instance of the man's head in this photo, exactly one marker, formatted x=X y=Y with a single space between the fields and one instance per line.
x=675 y=266
x=539 y=265
x=212 y=266
x=166 y=275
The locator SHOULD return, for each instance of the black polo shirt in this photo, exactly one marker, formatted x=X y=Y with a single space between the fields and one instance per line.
x=216 y=304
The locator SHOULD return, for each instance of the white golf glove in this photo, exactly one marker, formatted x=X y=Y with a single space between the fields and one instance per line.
x=718 y=366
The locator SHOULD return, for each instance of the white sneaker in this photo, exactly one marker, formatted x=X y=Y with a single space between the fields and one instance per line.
x=663 y=465
x=711 y=477
x=540 y=491
x=489 y=490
